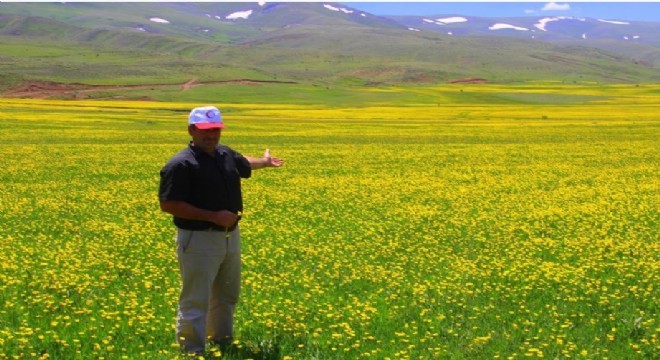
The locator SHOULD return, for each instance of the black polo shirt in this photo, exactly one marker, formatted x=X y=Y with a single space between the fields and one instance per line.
x=210 y=183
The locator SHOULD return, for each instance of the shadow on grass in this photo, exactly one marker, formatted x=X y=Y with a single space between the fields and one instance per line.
x=263 y=350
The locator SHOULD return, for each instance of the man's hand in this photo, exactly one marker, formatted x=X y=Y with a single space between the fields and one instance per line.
x=265 y=161
x=182 y=209
x=272 y=161
x=225 y=218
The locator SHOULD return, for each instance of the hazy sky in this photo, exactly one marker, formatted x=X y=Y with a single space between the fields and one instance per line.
x=641 y=11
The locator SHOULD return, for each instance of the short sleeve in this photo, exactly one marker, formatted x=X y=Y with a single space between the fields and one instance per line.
x=174 y=182
x=242 y=165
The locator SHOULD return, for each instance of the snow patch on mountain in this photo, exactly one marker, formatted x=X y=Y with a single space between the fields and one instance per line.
x=445 y=21
x=432 y=22
x=239 y=15
x=451 y=20
x=501 y=26
x=544 y=22
x=159 y=20
x=344 y=10
x=614 y=22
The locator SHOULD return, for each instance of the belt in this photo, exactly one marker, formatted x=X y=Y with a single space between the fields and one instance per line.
x=222 y=228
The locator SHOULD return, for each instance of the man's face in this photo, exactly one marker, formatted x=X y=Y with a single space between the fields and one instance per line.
x=205 y=139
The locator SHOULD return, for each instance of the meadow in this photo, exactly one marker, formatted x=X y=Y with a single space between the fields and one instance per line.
x=519 y=222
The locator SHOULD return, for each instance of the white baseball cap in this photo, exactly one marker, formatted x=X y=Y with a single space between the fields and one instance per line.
x=206 y=117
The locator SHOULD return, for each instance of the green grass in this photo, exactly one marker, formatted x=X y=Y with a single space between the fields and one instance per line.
x=339 y=95
x=462 y=231
x=312 y=53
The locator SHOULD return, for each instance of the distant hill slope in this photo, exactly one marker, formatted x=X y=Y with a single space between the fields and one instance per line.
x=559 y=28
x=313 y=43
x=635 y=39
x=230 y=22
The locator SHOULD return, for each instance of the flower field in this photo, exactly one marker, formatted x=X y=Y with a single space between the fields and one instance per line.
x=457 y=231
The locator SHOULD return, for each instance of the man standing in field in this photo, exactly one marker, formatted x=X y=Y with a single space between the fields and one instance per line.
x=201 y=187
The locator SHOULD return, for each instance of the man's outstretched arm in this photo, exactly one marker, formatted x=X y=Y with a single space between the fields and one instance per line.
x=265 y=161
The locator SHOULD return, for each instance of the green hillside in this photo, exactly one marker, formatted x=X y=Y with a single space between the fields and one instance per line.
x=100 y=44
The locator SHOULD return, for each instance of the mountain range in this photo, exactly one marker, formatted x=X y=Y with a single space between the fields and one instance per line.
x=319 y=43
x=639 y=40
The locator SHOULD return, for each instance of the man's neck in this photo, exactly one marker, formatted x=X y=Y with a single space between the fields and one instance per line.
x=209 y=151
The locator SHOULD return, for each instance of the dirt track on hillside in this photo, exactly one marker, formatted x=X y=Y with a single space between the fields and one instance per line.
x=471 y=80
x=51 y=89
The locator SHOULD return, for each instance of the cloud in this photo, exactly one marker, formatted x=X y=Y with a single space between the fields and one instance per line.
x=552 y=6
x=530 y=12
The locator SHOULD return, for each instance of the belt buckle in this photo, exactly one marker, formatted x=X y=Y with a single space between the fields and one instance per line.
x=229 y=230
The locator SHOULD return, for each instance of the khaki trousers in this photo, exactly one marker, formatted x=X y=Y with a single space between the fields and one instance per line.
x=210 y=268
